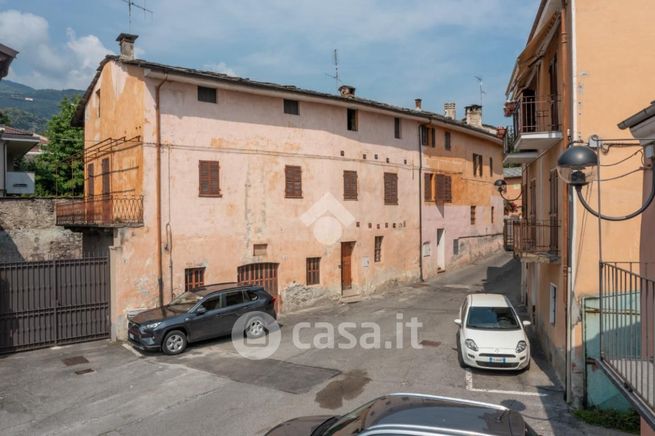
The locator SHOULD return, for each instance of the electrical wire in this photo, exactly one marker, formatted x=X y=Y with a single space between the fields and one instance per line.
x=622 y=175
x=623 y=160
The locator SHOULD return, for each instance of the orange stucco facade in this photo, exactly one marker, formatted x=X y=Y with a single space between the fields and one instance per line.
x=589 y=54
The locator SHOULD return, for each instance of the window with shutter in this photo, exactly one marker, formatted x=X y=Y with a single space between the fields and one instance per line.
x=554 y=210
x=396 y=128
x=428 y=192
x=291 y=107
x=90 y=174
x=377 y=254
x=352 y=119
x=444 y=189
x=447 y=140
x=209 y=178
x=433 y=134
x=293 y=181
x=313 y=270
x=472 y=215
x=390 y=188
x=350 y=185
x=423 y=133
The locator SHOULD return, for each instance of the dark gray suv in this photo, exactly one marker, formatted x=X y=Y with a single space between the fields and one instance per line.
x=412 y=414
x=203 y=313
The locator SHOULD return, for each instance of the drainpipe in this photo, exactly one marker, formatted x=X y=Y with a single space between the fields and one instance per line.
x=160 y=267
x=420 y=200
x=573 y=89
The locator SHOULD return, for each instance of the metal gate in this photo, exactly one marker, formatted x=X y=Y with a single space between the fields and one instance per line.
x=47 y=303
x=261 y=274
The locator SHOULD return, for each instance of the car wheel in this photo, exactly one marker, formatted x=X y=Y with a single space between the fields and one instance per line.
x=460 y=358
x=174 y=342
x=255 y=327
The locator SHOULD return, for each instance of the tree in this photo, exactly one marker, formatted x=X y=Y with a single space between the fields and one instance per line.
x=4 y=119
x=60 y=167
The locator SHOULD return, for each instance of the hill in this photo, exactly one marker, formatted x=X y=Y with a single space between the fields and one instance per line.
x=29 y=108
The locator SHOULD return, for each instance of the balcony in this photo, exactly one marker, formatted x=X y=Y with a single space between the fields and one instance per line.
x=627 y=332
x=536 y=241
x=536 y=127
x=101 y=211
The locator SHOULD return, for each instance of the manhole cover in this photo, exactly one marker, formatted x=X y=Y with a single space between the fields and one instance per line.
x=75 y=360
x=429 y=343
x=84 y=371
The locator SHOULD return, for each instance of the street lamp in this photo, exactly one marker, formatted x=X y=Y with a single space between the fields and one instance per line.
x=577 y=167
x=501 y=185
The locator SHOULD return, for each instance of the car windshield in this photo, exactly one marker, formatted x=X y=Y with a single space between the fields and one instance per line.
x=492 y=318
x=186 y=299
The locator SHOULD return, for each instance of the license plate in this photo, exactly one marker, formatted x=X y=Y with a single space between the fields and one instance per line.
x=497 y=359
x=131 y=336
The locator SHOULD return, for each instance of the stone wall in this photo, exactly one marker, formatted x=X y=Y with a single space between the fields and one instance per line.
x=28 y=231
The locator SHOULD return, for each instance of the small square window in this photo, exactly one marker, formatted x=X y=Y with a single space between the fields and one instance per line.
x=259 y=249
x=208 y=95
x=194 y=278
x=291 y=107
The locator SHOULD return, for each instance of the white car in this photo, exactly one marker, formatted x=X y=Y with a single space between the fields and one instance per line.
x=491 y=335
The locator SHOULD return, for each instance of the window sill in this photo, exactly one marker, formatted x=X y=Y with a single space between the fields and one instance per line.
x=391 y=204
x=293 y=198
x=210 y=195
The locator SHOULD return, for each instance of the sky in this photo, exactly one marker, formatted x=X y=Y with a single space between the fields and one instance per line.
x=391 y=51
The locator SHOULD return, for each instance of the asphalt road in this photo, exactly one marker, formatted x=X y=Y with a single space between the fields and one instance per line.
x=211 y=389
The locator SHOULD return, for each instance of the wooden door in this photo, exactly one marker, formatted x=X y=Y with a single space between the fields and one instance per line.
x=346 y=265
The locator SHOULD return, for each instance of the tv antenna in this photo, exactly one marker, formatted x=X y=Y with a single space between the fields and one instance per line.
x=335 y=59
x=482 y=91
x=130 y=4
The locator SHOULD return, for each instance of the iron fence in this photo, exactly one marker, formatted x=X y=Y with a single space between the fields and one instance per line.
x=110 y=211
x=536 y=237
x=627 y=330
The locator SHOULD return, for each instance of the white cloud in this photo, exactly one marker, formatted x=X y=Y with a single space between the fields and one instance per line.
x=220 y=67
x=42 y=64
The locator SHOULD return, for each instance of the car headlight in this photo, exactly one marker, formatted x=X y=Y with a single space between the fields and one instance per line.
x=152 y=325
x=521 y=346
x=470 y=344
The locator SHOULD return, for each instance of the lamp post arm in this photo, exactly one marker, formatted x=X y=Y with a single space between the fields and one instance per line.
x=644 y=206
x=513 y=199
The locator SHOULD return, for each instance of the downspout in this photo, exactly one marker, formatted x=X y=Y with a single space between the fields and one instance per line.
x=420 y=203
x=571 y=212
x=160 y=267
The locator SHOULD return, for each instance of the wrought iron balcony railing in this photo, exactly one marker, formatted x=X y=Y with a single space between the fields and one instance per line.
x=531 y=114
x=101 y=211
x=627 y=331
x=536 y=239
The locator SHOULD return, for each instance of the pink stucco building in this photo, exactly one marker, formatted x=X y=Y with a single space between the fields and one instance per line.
x=195 y=177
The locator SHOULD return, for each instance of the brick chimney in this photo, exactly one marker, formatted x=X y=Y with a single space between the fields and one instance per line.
x=419 y=104
x=126 y=43
x=450 y=110
x=347 y=91
x=474 y=115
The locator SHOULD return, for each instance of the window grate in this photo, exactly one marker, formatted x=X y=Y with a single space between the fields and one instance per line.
x=293 y=181
x=313 y=270
x=194 y=278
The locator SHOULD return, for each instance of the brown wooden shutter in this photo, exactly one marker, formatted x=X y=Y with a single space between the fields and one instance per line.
x=105 y=176
x=449 y=190
x=433 y=133
x=428 y=187
x=424 y=135
x=390 y=188
x=444 y=189
x=90 y=174
x=350 y=185
x=293 y=181
x=209 y=178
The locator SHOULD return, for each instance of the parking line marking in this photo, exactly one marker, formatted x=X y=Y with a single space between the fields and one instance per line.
x=469 y=387
x=132 y=350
